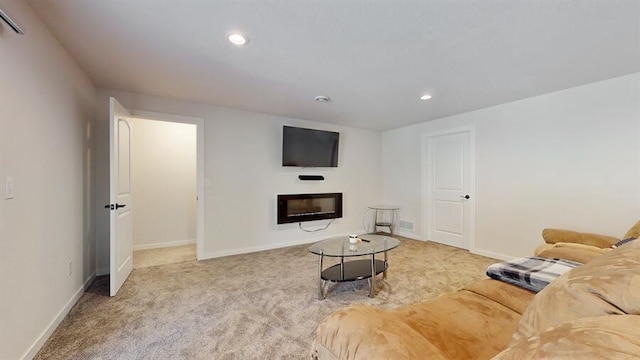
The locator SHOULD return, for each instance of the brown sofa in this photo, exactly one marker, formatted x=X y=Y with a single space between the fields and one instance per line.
x=573 y=317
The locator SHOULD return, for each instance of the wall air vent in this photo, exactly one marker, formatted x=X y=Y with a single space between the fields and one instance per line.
x=406 y=225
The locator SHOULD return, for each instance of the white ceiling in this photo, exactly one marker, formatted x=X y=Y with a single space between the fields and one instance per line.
x=373 y=58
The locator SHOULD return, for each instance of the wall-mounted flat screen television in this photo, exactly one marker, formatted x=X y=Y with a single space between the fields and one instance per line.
x=309 y=148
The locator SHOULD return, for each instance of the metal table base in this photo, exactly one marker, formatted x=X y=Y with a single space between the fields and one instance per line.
x=352 y=271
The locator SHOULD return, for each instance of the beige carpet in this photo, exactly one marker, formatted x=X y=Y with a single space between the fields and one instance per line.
x=255 y=306
x=163 y=256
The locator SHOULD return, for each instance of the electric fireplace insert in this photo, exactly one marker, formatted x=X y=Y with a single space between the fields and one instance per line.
x=295 y=208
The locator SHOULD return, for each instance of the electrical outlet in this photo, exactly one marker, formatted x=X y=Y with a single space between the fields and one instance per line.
x=70 y=268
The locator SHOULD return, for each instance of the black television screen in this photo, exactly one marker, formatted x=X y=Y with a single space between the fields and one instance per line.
x=309 y=148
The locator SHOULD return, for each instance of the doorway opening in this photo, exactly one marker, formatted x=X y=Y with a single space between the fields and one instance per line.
x=164 y=175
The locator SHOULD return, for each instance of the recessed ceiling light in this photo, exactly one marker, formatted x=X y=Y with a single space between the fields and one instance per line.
x=322 y=98
x=425 y=97
x=238 y=39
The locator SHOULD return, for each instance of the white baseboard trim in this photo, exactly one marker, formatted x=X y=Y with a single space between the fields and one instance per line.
x=53 y=325
x=410 y=235
x=164 y=244
x=247 y=250
x=492 y=254
x=88 y=282
x=217 y=254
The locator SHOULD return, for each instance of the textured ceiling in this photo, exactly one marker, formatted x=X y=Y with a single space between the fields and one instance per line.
x=373 y=58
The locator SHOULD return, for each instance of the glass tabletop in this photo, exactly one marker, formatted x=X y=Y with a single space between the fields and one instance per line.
x=384 y=207
x=367 y=245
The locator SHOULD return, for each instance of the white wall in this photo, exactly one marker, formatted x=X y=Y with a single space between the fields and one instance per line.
x=568 y=159
x=243 y=168
x=163 y=175
x=46 y=105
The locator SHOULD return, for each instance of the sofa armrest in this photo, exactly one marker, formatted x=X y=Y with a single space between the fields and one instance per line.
x=552 y=236
x=599 y=337
x=365 y=332
x=570 y=251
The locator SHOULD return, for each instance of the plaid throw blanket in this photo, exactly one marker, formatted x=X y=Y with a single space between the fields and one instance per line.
x=531 y=273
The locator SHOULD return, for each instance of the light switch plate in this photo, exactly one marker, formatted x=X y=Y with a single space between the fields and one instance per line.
x=9 y=188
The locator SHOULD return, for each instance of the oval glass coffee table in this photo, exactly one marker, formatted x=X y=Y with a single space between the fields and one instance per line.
x=368 y=245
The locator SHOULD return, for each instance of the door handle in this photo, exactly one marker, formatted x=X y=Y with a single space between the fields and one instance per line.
x=114 y=207
x=465 y=196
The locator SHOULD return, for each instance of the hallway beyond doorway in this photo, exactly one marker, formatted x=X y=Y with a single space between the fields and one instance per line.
x=163 y=256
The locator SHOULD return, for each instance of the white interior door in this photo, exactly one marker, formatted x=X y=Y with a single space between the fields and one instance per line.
x=121 y=234
x=449 y=199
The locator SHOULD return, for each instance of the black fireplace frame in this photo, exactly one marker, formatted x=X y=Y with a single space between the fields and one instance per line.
x=283 y=201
